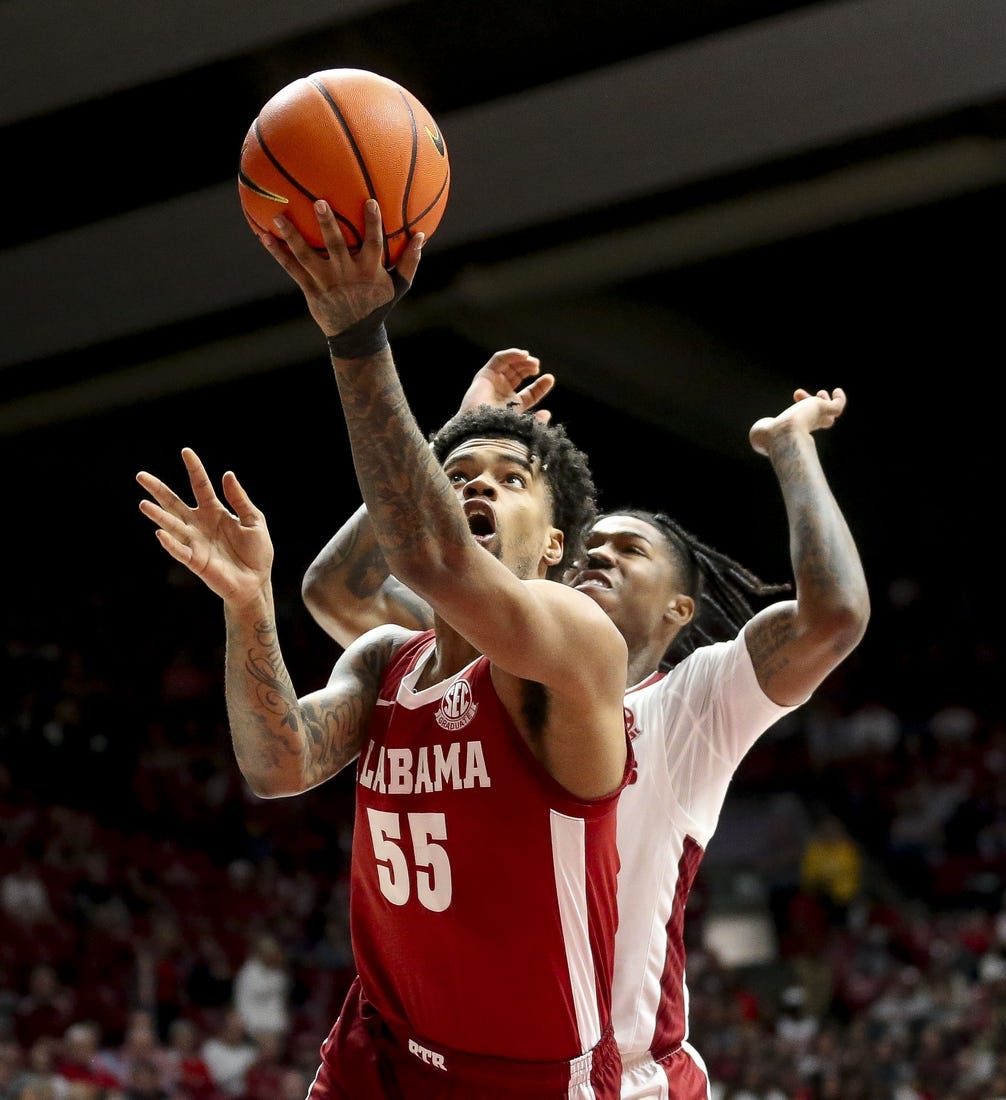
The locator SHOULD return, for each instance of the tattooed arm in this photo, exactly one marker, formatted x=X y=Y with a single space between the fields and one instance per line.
x=795 y=644
x=347 y=588
x=284 y=745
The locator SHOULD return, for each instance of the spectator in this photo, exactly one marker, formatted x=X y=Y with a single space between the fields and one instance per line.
x=229 y=1053
x=40 y=1066
x=160 y=966
x=832 y=867
x=262 y=989
x=144 y=1083
x=79 y=1060
x=48 y=1008
x=24 y=896
x=189 y=1075
x=140 y=1046
x=264 y=1079
x=795 y=1026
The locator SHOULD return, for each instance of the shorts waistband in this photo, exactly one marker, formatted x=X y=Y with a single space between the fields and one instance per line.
x=484 y=1069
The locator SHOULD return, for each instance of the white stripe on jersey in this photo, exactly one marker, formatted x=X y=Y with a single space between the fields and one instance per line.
x=569 y=861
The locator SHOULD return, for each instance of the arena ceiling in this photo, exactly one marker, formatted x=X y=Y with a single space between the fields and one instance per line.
x=686 y=209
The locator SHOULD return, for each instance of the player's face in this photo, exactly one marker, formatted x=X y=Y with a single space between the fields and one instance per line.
x=629 y=573
x=505 y=497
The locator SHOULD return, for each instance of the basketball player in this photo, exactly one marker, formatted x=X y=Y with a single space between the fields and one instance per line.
x=681 y=604
x=490 y=752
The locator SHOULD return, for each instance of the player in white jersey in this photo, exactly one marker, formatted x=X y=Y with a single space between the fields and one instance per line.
x=706 y=678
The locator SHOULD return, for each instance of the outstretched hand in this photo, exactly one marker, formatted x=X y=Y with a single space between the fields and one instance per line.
x=496 y=384
x=809 y=413
x=340 y=288
x=230 y=550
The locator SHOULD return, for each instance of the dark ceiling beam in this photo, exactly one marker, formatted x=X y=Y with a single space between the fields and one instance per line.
x=101 y=47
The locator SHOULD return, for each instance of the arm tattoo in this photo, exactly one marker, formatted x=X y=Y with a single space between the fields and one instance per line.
x=409 y=500
x=767 y=645
x=334 y=733
x=367 y=574
x=259 y=692
x=823 y=555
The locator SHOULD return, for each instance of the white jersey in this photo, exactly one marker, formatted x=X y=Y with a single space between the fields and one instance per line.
x=691 y=727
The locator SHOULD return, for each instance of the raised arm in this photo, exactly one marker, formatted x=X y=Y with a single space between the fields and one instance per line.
x=522 y=627
x=795 y=644
x=347 y=588
x=283 y=745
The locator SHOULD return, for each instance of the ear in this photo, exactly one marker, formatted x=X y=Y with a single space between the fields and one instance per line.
x=680 y=611
x=554 y=546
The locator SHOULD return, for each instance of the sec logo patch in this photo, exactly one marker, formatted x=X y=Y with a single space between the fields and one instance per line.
x=457 y=708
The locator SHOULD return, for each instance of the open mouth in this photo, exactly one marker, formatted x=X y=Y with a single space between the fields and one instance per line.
x=481 y=521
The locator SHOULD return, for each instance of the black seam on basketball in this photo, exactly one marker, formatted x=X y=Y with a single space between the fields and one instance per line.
x=346 y=129
x=411 y=174
x=436 y=198
x=279 y=167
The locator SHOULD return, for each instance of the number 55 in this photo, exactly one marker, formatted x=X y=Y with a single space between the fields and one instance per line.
x=433 y=868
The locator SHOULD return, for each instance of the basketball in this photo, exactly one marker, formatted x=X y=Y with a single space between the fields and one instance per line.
x=345 y=135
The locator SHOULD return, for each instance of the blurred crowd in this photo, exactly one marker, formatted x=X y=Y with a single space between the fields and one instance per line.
x=165 y=935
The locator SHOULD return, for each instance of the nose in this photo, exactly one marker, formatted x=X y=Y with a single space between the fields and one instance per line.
x=480 y=486
x=599 y=557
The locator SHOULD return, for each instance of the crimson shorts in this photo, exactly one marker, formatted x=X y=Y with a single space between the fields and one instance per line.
x=363 y=1059
x=680 y=1075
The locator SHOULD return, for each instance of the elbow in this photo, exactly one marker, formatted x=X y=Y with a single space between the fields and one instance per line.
x=269 y=788
x=268 y=783
x=312 y=589
x=845 y=624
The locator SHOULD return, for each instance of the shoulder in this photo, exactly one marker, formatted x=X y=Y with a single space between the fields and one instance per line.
x=370 y=655
x=713 y=676
x=576 y=608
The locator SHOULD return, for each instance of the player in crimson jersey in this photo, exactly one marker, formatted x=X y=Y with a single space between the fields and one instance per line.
x=490 y=751
x=705 y=680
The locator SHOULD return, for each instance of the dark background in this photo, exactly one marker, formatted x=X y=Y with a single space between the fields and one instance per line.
x=686 y=210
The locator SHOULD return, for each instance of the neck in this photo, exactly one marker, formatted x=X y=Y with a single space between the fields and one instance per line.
x=453 y=653
x=642 y=662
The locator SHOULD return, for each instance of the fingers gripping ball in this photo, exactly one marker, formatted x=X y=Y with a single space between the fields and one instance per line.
x=345 y=135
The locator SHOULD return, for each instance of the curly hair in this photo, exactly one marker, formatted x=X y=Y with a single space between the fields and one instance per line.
x=722 y=588
x=572 y=493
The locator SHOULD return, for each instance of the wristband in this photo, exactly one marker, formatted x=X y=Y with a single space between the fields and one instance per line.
x=368 y=336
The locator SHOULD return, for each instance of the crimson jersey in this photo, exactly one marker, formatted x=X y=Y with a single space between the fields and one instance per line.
x=690 y=729
x=482 y=903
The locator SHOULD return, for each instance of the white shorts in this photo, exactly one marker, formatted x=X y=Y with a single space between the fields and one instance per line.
x=678 y=1076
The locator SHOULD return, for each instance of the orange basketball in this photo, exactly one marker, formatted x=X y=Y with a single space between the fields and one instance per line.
x=345 y=135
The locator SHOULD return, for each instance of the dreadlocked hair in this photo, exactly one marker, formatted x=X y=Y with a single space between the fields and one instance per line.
x=567 y=474
x=723 y=589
